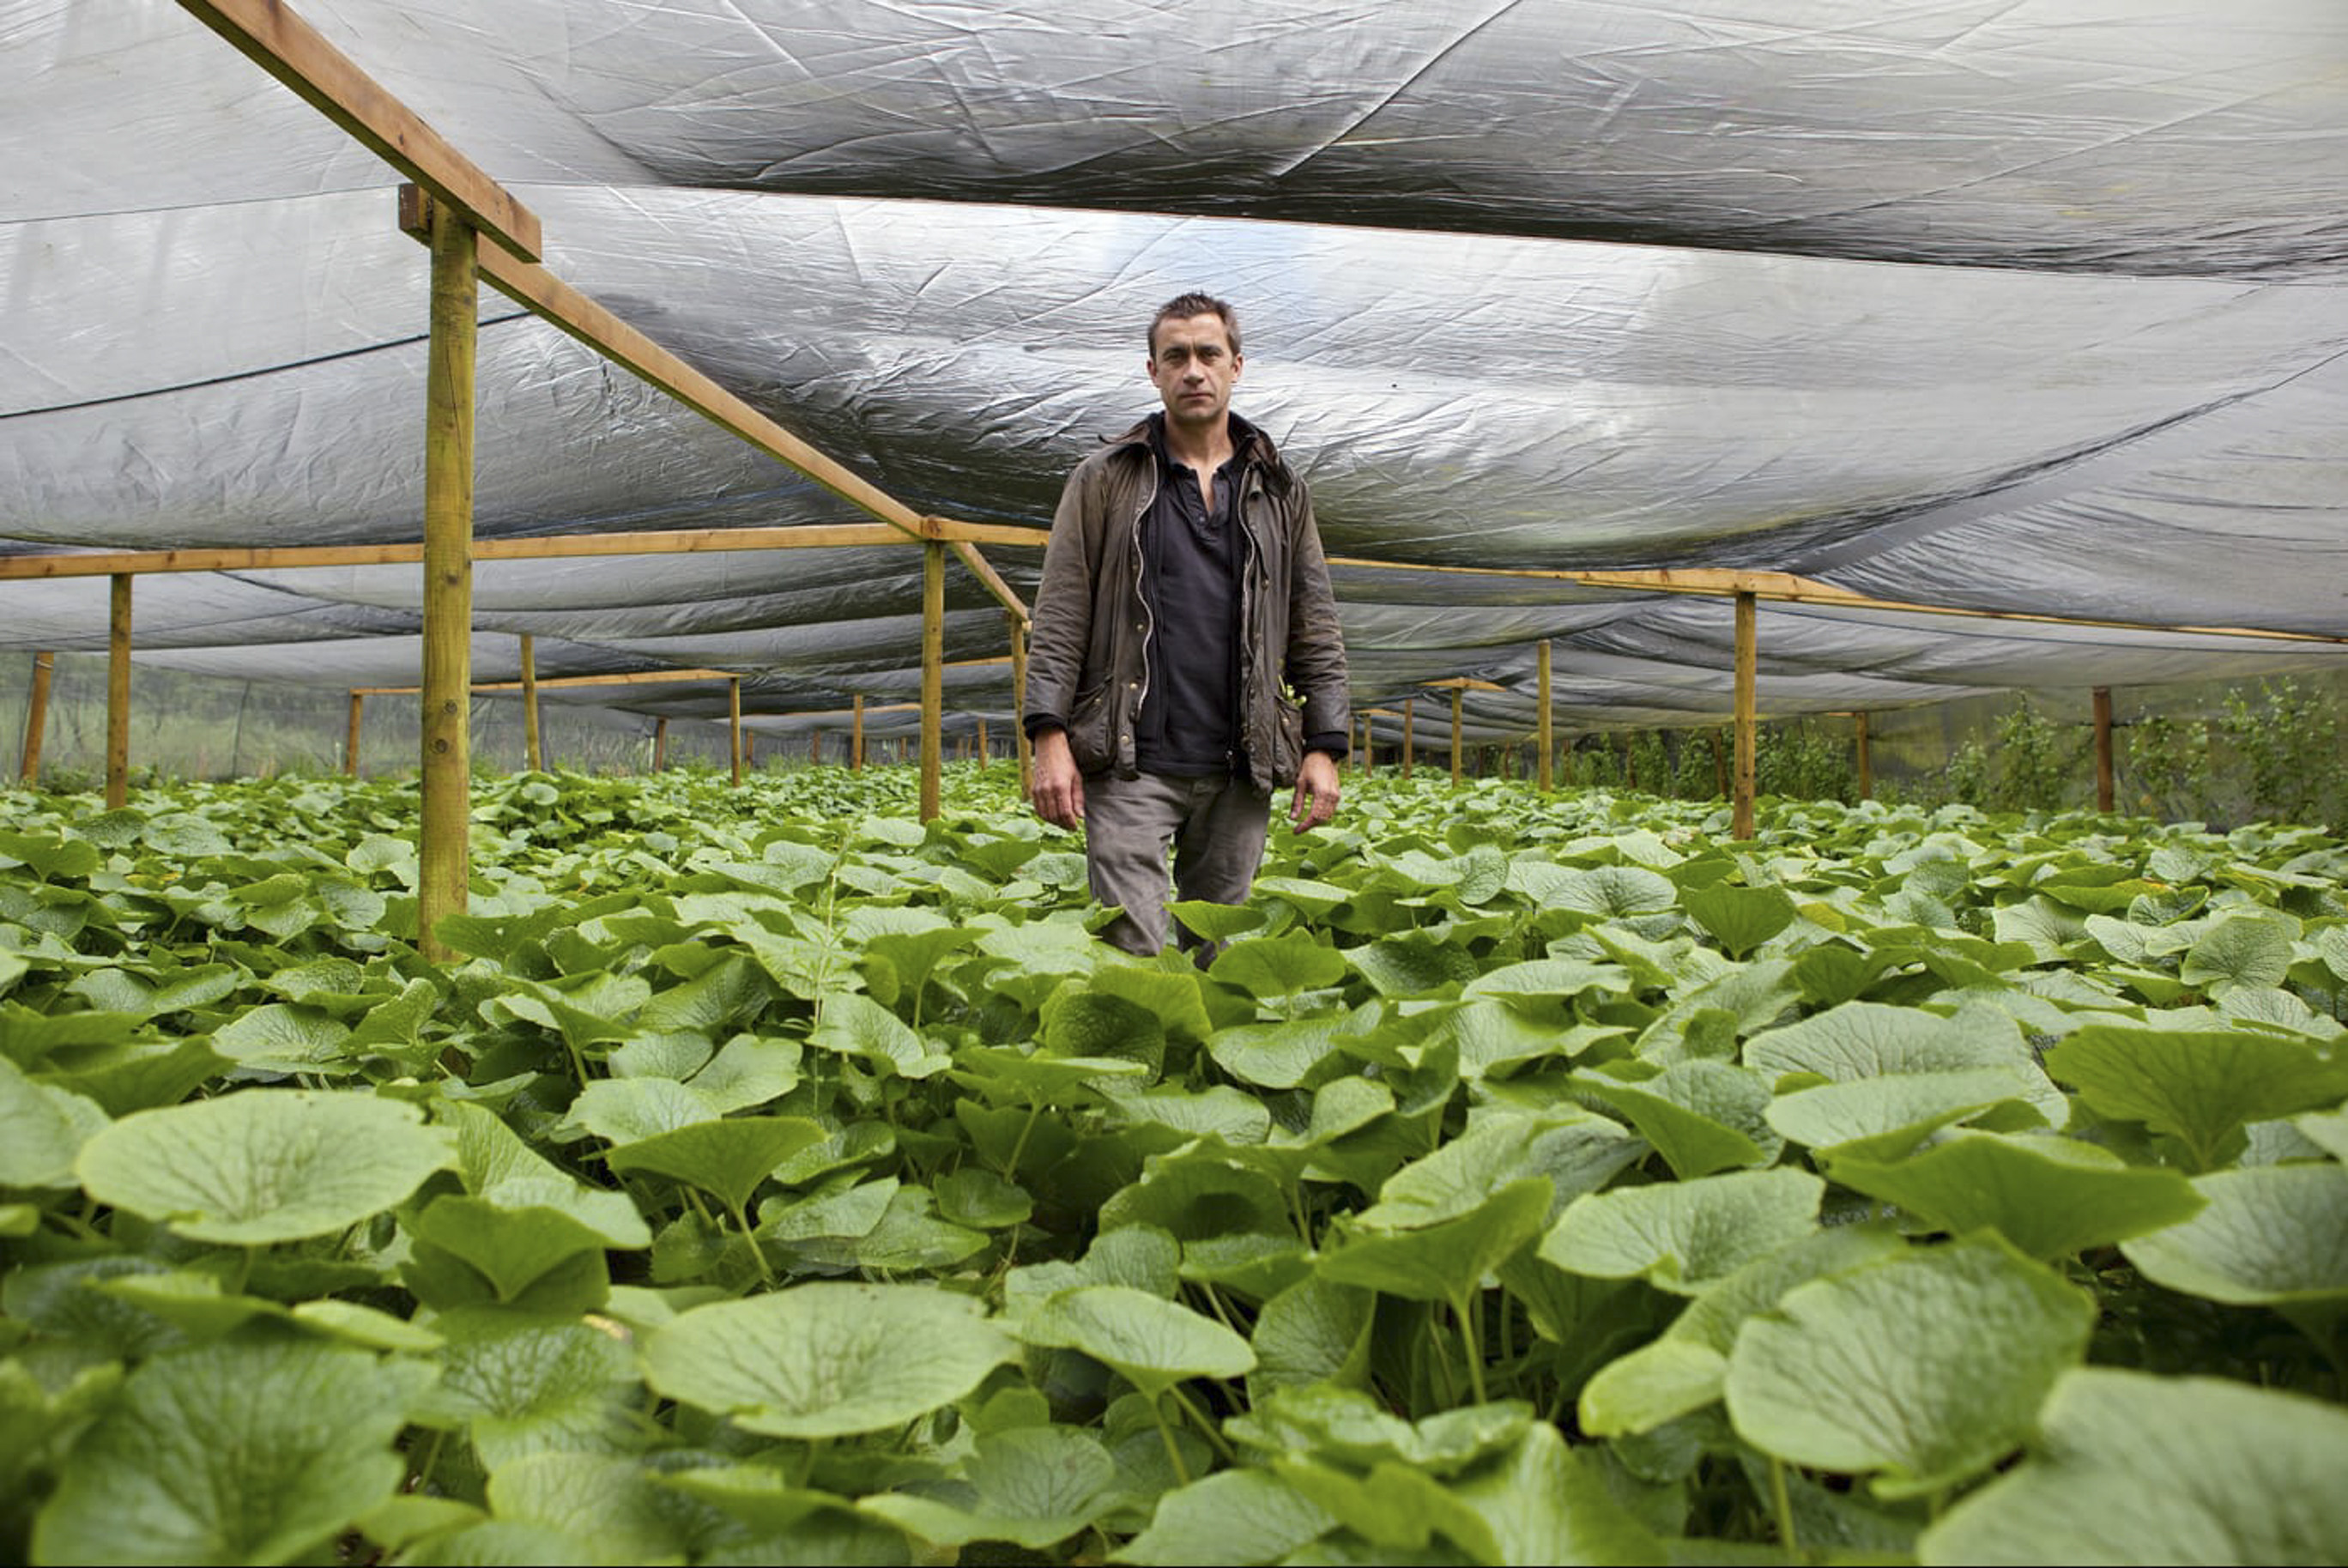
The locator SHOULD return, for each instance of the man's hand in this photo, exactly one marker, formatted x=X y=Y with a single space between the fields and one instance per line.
x=1316 y=792
x=1059 y=787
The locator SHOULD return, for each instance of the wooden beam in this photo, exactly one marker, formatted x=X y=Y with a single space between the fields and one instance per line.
x=351 y=741
x=550 y=547
x=37 y=716
x=733 y=724
x=532 y=752
x=1459 y=695
x=660 y=745
x=984 y=570
x=270 y=36
x=444 y=835
x=1542 y=733
x=2102 y=708
x=933 y=674
x=118 y=695
x=1786 y=588
x=1025 y=748
x=1748 y=736
x=633 y=677
x=1462 y=683
x=1866 y=761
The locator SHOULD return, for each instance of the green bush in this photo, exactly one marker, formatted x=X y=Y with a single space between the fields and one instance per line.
x=2165 y=762
x=1801 y=762
x=2037 y=765
x=2287 y=739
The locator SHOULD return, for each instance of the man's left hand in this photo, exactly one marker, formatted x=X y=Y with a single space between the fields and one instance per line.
x=1316 y=792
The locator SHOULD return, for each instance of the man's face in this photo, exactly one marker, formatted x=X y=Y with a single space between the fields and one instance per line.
x=1192 y=366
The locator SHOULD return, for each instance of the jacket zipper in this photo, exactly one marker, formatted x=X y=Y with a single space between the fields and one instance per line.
x=1149 y=621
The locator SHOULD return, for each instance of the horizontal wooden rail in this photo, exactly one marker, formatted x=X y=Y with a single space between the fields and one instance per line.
x=548 y=547
x=1787 y=588
x=634 y=677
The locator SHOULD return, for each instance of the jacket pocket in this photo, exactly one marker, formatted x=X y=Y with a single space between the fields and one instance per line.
x=1089 y=729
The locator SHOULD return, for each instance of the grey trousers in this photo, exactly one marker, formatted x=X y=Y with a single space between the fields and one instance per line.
x=1215 y=828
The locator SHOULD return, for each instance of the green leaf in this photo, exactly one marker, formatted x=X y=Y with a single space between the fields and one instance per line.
x=1613 y=890
x=284 y=1038
x=1681 y=1236
x=1703 y=1117
x=1923 y=1371
x=1275 y=1055
x=2130 y=1468
x=827 y=1359
x=2199 y=1086
x=1546 y=1502
x=41 y=1129
x=1152 y=1343
x=588 y=1508
x=2051 y=1197
x=856 y=1025
x=233 y=1453
x=1279 y=966
x=1413 y=963
x=2238 y=950
x=511 y=1248
x=1316 y=1331
x=1447 y=1260
x=1032 y=1486
x=1241 y=1517
x=1887 y=1116
x=1740 y=918
x=2272 y=1235
x=523 y=1385
x=263 y=1165
x=501 y=1170
x=726 y=1158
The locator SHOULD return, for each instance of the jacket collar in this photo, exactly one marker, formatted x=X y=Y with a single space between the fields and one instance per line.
x=1250 y=445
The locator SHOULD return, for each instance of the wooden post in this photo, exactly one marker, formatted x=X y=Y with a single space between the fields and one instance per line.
x=444 y=835
x=1369 y=747
x=1409 y=747
x=934 y=672
x=532 y=752
x=1543 y=732
x=1748 y=739
x=1026 y=752
x=981 y=745
x=855 y=736
x=2103 y=696
x=815 y=749
x=1866 y=762
x=1457 y=730
x=351 y=742
x=660 y=745
x=733 y=724
x=118 y=695
x=37 y=715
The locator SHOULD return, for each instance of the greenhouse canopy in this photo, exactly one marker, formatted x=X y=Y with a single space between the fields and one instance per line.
x=2036 y=309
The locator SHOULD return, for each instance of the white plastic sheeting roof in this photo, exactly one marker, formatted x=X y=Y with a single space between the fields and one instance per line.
x=2035 y=306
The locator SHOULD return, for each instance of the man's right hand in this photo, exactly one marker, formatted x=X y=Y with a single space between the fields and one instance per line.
x=1059 y=787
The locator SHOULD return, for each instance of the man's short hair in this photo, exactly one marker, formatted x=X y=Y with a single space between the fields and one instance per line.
x=1182 y=307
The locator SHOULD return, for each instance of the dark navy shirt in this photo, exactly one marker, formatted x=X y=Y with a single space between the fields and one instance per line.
x=1192 y=555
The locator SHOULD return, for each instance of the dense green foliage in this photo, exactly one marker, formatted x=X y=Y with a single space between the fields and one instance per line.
x=777 y=1178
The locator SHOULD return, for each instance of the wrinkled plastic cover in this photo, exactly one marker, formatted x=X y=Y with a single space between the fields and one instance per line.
x=2037 y=307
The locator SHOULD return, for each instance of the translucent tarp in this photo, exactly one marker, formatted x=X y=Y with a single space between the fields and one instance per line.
x=2036 y=307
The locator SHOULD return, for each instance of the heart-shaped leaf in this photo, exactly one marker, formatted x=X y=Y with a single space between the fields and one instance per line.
x=263 y=1165
x=827 y=1359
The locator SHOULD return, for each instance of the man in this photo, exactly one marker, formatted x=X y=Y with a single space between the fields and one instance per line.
x=1185 y=659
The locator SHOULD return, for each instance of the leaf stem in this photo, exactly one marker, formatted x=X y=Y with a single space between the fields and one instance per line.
x=750 y=1237
x=1782 y=1498
x=1173 y=1448
x=1214 y=1437
x=1463 y=1309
